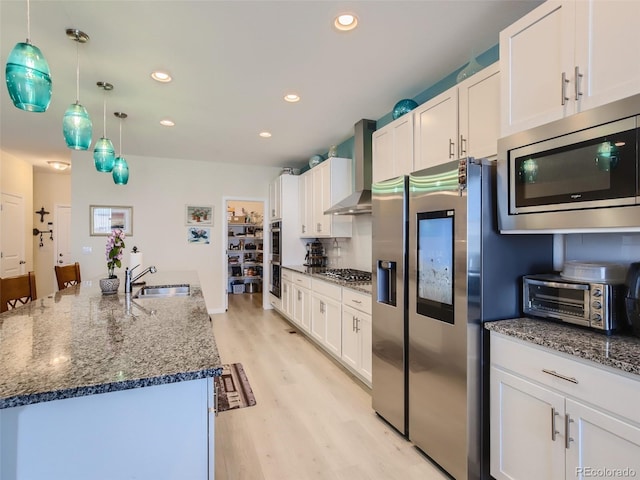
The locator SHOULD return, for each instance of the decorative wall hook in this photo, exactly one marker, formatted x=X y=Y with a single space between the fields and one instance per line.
x=41 y=232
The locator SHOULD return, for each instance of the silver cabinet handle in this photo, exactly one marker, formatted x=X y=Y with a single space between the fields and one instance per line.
x=578 y=78
x=353 y=323
x=321 y=307
x=554 y=432
x=565 y=80
x=299 y=295
x=567 y=432
x=452 y=148
x=303 y=229
x=319 y=228
x=463 y=146
x=215 y=398
x=357 y=324
x=558 y=375
x=356 y=301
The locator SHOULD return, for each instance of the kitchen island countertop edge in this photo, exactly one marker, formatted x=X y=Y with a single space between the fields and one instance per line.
x=79 y=342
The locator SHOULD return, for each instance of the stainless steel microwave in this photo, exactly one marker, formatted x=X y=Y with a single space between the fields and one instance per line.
x=577 y=174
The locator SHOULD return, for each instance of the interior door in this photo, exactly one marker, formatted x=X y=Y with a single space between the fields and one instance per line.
x=12 y=238
x=63 y=235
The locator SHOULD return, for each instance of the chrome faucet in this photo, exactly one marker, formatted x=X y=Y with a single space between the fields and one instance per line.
x=128 y=281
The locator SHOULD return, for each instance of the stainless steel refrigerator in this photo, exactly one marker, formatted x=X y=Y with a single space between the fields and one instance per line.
x=389 y=335
x=459 y=272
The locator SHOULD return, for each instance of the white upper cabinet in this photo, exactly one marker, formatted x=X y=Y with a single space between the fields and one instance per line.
x=460 y=122
x=275 y=199
x=606 y=33
x=325 y=185
x=393 y=149
x=479 y=113
x=436 y=130
x=565 y=57
x=306 y=205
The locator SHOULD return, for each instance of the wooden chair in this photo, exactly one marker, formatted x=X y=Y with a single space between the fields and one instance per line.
x=68 y=275
x=16 y=291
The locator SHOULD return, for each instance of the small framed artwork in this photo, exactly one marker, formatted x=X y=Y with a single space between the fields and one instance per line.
x=199 y=215
x=199 y=235
x=105 y=218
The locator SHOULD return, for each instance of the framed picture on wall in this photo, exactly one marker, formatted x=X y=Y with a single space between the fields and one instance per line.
x=199 y=235
x=105 y=218
x=199 y=215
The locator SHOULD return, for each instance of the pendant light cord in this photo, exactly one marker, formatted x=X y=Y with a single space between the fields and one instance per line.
x=28 y=23
x=104 y=115
x=120 y=138
x=77 y=71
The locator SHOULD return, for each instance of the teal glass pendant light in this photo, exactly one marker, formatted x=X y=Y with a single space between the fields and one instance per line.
x=104 y=155
x=28 y=76
x=76 y=124
x=120 y=168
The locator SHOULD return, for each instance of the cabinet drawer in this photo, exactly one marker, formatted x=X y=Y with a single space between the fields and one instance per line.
x=286 y=274
x=301 y=280
x=357 y=300
x=327 y=289
x=598 y=385
x=275 y=302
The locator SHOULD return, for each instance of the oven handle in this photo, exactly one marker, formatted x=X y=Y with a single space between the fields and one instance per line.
x=548 y=283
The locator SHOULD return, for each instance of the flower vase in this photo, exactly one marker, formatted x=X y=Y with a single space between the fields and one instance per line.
x=109 y=286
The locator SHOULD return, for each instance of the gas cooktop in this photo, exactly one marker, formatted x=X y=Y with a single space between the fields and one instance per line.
x=347 y=275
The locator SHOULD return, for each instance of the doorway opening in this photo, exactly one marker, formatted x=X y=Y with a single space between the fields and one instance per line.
x=245 y=253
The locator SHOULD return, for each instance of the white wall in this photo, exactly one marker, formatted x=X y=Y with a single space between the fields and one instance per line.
x=16 y=177
x=603 y=247
x=355 y=252
x=159 y=190
x=49 y=190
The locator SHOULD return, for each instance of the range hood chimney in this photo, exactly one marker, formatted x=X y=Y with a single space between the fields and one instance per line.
x=359 y=202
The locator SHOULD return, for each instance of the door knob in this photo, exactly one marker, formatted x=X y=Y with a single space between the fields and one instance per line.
x=22 y=262
x=60 y=261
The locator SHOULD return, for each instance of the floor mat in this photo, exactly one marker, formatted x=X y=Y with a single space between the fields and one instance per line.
x=234 y=390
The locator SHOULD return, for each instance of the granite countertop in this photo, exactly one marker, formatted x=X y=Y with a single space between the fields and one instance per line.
x=618 y=351
x=362 y=287
x=80 y=342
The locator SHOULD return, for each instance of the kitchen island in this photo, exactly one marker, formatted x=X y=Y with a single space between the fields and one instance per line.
x=107 y=387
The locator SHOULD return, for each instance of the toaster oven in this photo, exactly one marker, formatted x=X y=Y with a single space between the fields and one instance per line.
x=595 y=305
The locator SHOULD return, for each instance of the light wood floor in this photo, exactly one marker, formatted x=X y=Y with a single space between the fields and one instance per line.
x=312 y=420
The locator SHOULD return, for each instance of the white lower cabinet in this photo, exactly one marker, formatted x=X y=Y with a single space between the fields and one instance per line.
x=301 y=301
x=326 y=315
x=286 y=294
x=338 y=319
x=356 y=341
x=554 y=417
x=356 y=333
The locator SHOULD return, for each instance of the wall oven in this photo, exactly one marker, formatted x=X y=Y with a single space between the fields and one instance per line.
x=276 y=246
x=576 y=174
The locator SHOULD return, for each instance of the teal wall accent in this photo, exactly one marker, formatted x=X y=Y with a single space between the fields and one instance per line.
x=345 y=149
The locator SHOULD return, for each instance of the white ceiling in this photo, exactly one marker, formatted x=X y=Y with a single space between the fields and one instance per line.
x=232 y=62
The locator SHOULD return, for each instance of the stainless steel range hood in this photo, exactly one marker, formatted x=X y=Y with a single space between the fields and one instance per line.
x=359 y=202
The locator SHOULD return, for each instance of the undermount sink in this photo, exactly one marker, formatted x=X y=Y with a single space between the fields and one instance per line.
x=151 y=291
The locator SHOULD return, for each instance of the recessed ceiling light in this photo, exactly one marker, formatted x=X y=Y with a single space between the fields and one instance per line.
x=59 y=165
x=265 y=134
x=345 y=22
x=291 y=98
x=162 y=77
x=167 y=123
